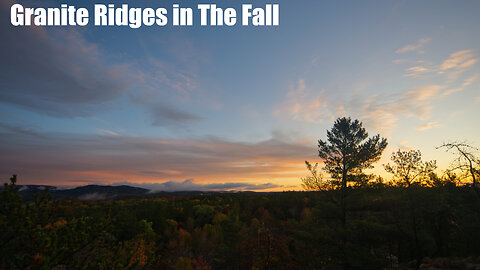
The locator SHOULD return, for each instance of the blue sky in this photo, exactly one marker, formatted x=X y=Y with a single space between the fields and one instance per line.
x=239 y=104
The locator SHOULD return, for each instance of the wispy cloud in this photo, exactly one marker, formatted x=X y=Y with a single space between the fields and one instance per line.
x=421 y=94
x=414 y=47
x=452 y=67
x=8 y=129
x=165 y=76
x=428 y=125
x=417 y=71
x=107 y=132
x=466 y=83
x=452 y=91
x=306 y=105
x=382 y=112
x=457 y=63
x=470 y=80
x=459 y=60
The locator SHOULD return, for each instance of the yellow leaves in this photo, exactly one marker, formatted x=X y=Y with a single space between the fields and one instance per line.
x=219 y=218
x=140 y=256
x=56 y=225
x=184 y=238
x=60 y=223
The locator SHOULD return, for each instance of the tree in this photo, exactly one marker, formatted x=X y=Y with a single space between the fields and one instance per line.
x=466 y=162
x=347 y=151
x=316 y=180
x=408 y=167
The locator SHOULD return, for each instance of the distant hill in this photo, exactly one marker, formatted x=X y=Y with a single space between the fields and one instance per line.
x=100 y=192
x=89 y=192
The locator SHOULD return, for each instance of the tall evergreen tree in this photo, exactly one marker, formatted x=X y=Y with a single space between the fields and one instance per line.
x=347 y=151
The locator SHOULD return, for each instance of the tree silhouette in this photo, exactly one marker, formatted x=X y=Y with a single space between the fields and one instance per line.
x=347 y=151
x=408 y=167
x=466 y=162
x=316 y=180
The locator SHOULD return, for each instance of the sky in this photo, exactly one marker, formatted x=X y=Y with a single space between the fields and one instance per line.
x=233 y=108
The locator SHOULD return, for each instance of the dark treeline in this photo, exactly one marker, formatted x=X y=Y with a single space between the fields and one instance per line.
x=388 y=227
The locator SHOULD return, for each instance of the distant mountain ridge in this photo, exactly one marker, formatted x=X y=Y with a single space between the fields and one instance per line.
x=88 y=192
x=100 y=192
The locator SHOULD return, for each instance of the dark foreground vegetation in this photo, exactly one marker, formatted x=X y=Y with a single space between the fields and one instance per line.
x=386 y=227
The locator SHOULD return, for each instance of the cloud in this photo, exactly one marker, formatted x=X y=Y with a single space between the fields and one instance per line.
x=56 y=72
x=107 y=132
x=169 y=83
x=457 y=63
x=382 y=112
x=403 y=145
x=417 y=71
x=421 y=94
x=93 y=196
x=304 y=105
x=428 y=125
x=466 y=83
x=59 y=158
x=414 y=47
x=452 y=91
x=191 y=185
x=170 y=77
x=8 y=129
x=381 y=117
x=470 y=80
x=459 y=60
x=59 y=73
x=400 y=61
x=160 y=172
x=163 y=115
x=452 y=67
